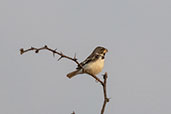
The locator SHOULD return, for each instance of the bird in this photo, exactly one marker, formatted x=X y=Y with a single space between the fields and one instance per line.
x=92 y=65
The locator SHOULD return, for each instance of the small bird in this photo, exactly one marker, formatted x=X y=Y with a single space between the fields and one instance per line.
x=93 y=63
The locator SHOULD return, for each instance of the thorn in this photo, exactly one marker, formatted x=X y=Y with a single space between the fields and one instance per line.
x=32 y=48
x=60 y=58
x=21 y=51
x=37 y=51
x=53 y=54
x=107 y=99
x=105 y=75
x=54 y=51
x=75 y=57
x=45 y=46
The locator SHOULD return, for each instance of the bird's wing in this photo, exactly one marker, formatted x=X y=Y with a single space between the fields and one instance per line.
x=91 y=58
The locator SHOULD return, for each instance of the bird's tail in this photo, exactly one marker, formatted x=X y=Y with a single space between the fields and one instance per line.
x=72 y=74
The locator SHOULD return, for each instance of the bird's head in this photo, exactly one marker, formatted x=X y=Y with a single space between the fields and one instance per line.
x=100 y=50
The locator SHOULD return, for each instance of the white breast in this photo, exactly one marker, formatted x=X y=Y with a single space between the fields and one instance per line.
x=95 y=67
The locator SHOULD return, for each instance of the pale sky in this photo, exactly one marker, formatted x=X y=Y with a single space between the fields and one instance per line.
x=137 y=34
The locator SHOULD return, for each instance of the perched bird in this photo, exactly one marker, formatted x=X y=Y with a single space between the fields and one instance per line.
x=93 y=63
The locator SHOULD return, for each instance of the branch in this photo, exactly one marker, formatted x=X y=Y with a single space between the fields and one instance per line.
x=95 y=77
x=74 y=59
x=106 y=99
x=22 y=51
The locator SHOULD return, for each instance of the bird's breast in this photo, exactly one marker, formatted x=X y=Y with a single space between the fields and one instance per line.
x=95 y=67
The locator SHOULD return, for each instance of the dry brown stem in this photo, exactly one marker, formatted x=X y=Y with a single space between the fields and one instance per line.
x=74 y=59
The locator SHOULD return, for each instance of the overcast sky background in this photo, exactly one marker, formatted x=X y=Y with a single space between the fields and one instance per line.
x=137 y=34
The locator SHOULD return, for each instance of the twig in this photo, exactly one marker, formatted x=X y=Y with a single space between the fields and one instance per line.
x=106 y=99
x=74 y=59
x=22 y=51
x=95 y=77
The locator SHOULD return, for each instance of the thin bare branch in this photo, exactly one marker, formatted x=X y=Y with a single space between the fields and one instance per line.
x=106 y=99
x=95 y=77
x=74 y=59
x=22 y=51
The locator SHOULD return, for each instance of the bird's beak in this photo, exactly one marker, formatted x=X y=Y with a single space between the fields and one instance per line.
x=105 y=51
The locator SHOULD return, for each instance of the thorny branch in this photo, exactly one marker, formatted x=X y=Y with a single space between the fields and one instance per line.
x=74 y=59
